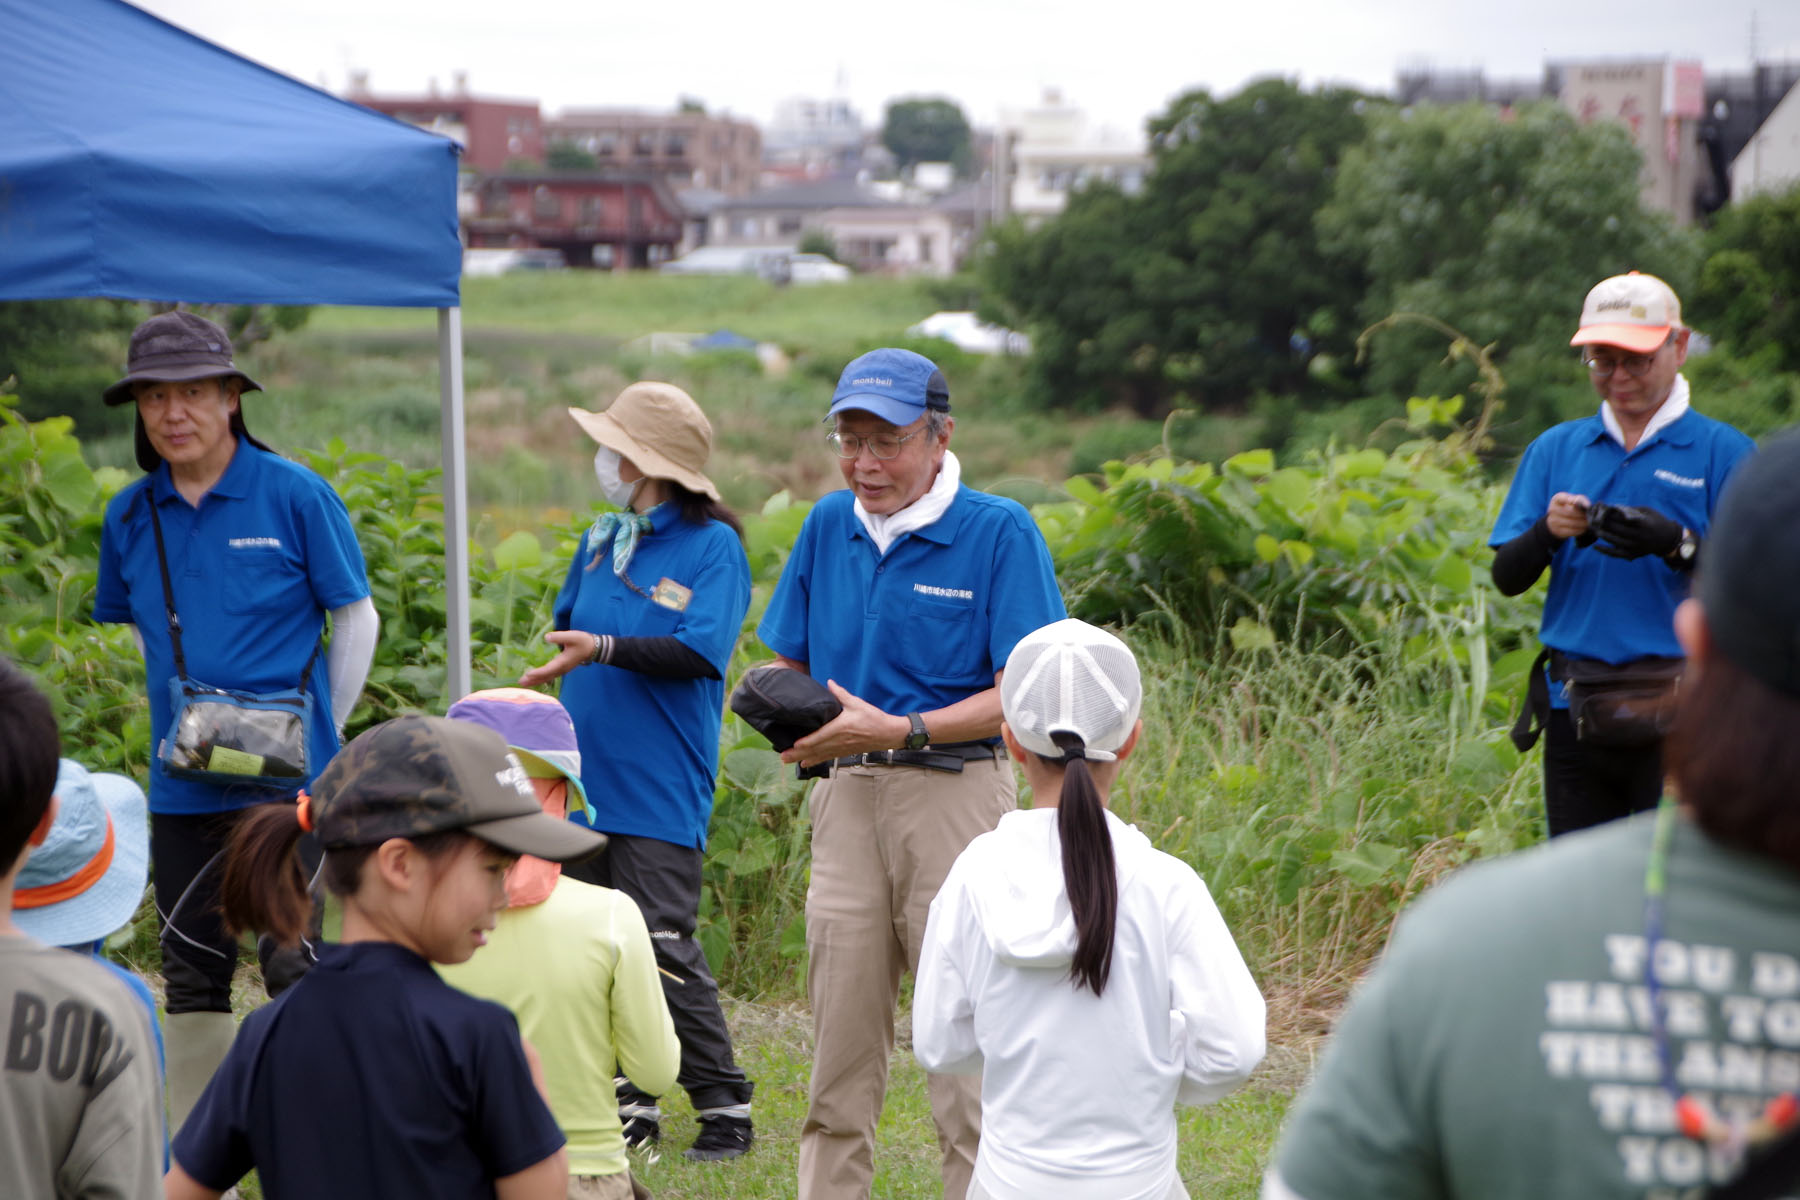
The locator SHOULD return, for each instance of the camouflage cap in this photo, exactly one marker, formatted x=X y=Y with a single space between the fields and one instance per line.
x=416 y=775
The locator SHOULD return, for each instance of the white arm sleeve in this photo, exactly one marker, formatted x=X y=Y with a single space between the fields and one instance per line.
x=1219 y=1018
x=353 y=631
x=943 y=1012
x=137 y=635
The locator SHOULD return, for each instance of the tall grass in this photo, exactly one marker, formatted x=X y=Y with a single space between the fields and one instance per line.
x=1316 y=794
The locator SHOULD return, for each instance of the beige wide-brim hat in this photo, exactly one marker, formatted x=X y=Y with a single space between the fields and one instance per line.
x=660 y=429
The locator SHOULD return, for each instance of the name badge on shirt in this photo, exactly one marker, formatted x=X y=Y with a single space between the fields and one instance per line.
x=670 y=594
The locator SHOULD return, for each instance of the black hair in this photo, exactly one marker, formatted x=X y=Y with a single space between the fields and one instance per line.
x=29 y=748
x=264 y=887
x=700 y=508
x=1089 y=874
x=1734 y=753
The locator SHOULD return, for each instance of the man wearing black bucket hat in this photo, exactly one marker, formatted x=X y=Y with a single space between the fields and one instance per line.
x=226 y=559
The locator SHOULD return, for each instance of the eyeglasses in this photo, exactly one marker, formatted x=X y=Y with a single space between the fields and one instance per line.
x=884 y=446
x=1635 y=365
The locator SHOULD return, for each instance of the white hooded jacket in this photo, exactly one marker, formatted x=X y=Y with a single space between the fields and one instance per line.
x=1077 y=1090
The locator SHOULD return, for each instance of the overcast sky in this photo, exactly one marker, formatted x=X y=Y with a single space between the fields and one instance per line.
x=1122 y=60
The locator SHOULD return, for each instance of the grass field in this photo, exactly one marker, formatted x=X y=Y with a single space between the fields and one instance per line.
x=539 y=342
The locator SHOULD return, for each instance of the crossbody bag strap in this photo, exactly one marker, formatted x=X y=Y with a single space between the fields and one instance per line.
x=162 y=562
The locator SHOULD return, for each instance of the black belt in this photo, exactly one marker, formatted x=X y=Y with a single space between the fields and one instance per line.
x=950 y=757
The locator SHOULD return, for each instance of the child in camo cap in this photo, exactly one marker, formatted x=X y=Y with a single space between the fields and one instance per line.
x=372 y=1077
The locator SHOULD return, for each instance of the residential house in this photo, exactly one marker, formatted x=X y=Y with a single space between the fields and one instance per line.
x=1049 y=151
x=687 y=149
x=1770 y=162
x=624 y=220
x=494 y=134
x=873 y=232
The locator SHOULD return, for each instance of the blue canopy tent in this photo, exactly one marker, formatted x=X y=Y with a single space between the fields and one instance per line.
x=140 y=162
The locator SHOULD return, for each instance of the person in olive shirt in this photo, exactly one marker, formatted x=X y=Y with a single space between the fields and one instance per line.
x=80 y=1094
x=1614 y=1015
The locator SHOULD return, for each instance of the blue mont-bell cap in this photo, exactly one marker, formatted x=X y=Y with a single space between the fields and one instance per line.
x=896 y=385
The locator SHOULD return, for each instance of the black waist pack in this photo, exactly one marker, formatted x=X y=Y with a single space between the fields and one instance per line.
x=1627 y=704
x=782 y=704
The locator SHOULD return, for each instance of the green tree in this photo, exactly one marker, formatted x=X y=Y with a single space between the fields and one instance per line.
x=1749 y=293
x=567 y=156
x=64 y=353
x=1497 y=223
x=1207 y=286
x=927 y=130
x=818 y=241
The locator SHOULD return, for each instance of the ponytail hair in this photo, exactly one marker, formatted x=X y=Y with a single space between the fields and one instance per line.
x=264 y=885
x=1089 y=874
x=265 y=889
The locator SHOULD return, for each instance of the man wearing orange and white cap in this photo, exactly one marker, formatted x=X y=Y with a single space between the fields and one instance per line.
x=1616 y=505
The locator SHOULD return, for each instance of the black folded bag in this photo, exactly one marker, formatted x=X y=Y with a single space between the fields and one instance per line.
x=783 y=704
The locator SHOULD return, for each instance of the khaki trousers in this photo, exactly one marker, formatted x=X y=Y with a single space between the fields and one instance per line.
x=883 y=839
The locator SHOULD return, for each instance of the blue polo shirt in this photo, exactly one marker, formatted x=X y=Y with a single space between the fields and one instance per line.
x=254 y=569
x=650 y=744
x=924 y=625
x=1608 y=608
x=371 y=1077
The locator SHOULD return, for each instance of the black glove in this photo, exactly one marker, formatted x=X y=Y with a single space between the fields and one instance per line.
x=1626 y=531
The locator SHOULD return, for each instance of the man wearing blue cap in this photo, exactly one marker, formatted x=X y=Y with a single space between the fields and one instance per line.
x=904 y=593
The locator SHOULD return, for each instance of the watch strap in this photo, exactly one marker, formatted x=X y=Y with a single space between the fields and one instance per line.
x=918 y=738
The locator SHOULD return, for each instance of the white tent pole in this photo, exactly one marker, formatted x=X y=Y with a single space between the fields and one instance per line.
x=456 y=503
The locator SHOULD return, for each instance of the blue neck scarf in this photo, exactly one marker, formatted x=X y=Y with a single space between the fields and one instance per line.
x=628 y=528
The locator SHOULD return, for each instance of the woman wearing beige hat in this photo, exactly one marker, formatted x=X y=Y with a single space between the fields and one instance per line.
x=645 y=625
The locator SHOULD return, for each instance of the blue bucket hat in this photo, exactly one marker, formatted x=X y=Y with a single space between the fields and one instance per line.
x=896 y=385
x=87 y=879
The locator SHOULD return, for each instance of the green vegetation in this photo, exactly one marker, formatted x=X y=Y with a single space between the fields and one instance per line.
x=1750 y=285
x=1194 y=291
x=929 y=129
x=1497 y=223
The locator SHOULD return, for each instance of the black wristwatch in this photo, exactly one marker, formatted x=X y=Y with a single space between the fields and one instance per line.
x=918 y=739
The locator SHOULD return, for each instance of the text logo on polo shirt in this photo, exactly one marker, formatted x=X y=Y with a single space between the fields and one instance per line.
x=256 y=543
x=948 y=593
x=1686 y=481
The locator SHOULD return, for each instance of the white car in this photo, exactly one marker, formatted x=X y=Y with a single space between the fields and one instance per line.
x=963 y=331
x=776 y=263
x=815 y=268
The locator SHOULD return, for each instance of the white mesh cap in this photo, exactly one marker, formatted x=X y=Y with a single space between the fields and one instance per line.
x=1071 y=677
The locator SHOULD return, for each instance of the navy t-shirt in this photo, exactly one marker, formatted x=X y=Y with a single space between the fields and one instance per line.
x=373 y=1078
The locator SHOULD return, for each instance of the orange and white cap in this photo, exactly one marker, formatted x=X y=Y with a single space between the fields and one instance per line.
x=1635 y=312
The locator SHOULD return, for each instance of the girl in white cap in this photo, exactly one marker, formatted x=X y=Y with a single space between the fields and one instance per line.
x=1086 y=976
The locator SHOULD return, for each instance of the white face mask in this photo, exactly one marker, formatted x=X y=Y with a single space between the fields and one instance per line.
x=606 y=469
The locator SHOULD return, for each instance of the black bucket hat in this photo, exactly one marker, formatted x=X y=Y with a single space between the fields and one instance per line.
x=171 y=347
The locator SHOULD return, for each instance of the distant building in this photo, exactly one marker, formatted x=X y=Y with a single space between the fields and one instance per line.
x=1421 y=83
x=686 y=149
x=872 y=232
x=494 y=133
x=1770 y=162
x=619 y=219
x=821 y=138
x=1737 y=105
x=1047 y=152
x=1660 y=103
